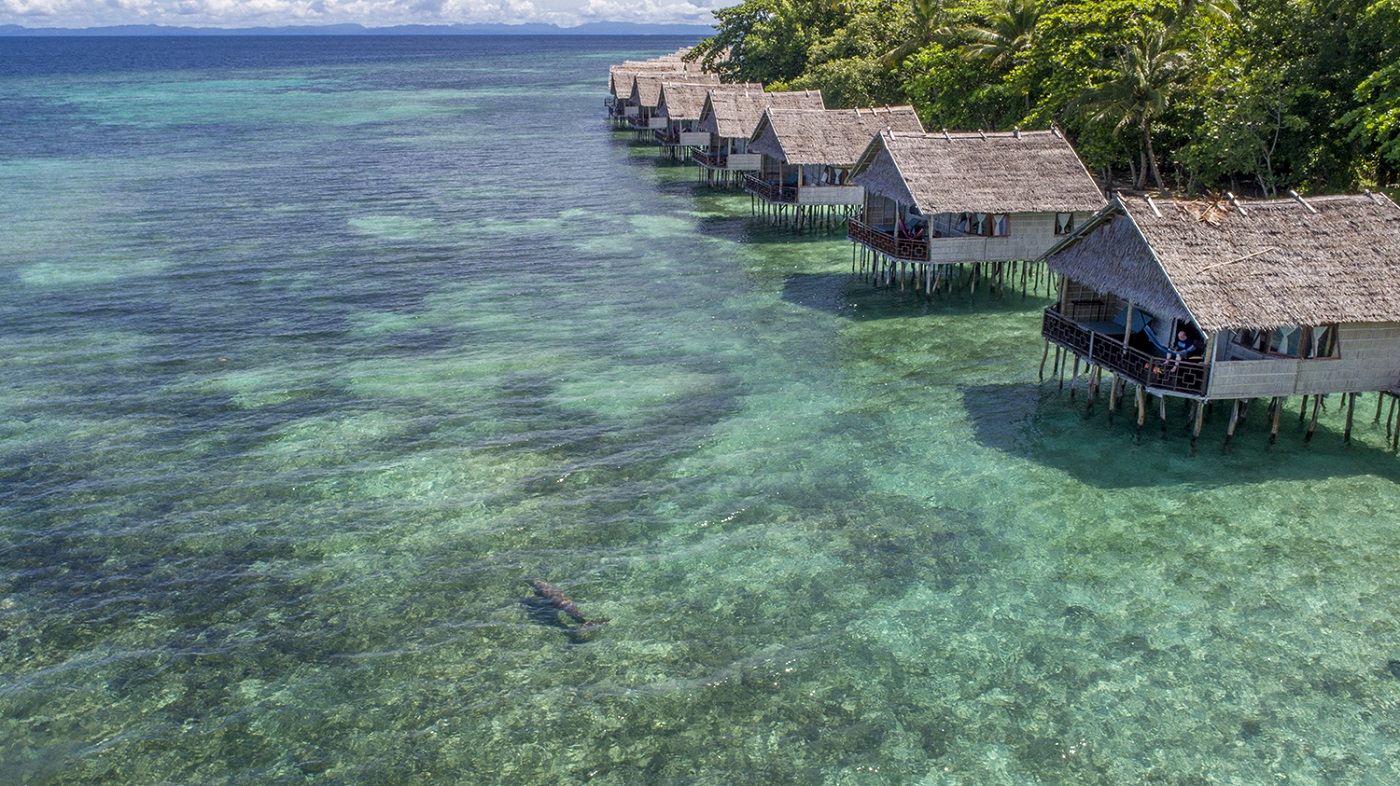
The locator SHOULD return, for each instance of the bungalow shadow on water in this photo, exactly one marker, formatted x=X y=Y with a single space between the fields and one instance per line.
x=1043 y=424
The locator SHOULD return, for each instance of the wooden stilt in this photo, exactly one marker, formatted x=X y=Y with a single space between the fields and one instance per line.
x=1162 y=412
x=1351 y=407
x=1380 y=399
x=1234 y=421
x=1198 y=421
x=1317 y=406
x=1141 y=409
x=1303 y=412
x=1043 y=356
x=1395 y=441
x=1074 y=378
x=1277 y=415
x=1091 y=388
x=1113 y=391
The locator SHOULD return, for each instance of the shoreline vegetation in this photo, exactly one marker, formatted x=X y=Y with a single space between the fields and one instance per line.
x=1253 y=97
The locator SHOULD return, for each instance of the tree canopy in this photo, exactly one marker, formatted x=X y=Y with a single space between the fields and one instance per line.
x=1186 y=95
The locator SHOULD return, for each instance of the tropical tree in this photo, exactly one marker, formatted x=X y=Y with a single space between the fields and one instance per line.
x=1008 y=33
x=929 y=23
x=1375 y=119
x=1000 y=43
x=1148 y=75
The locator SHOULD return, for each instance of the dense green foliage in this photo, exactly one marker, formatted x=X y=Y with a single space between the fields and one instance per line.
x=1250 y=95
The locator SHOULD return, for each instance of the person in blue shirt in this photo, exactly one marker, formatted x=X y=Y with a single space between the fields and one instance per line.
x=1181 y=347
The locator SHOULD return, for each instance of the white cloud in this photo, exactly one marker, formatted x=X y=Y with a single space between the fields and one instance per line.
x=234 y=13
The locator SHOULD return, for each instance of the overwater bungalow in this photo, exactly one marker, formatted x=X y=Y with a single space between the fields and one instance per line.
x=646 y=97
x=1232 y=300
x=807 y=156
x=730 y=119
x=937 y=201
x=681 y=104
x=621 y=79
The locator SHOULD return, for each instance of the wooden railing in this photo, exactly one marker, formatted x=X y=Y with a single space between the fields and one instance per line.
x=1175 y=376
x=885 y=243
x=714 y=159
x=773 y=192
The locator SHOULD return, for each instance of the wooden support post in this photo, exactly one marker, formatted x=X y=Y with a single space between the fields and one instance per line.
x=1303 y=411
x=1074 y=378
x=1141 y=409
x=1380 y=399
x=1043 y=357
x=1275 y=414
x=1317 y=405
x=1162 y=412
x=1113 y=392
x=1234 y=421
x=1351 y=406
x=1395 y=441
x=1091 y=388
x=1199 y=420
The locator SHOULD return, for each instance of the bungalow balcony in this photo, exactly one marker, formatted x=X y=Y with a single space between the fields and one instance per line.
x=1149 y=368
x=722 y=159
x=672 y=137
x=773 y=192
x=712 y=159
x=886 y=241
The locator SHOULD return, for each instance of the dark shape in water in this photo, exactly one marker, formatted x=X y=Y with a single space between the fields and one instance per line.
x=554 y=598
x=1394 y=668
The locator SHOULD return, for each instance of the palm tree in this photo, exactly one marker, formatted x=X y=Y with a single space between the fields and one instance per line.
x=1144 y=81
x=1008 y=34
x=929 y=25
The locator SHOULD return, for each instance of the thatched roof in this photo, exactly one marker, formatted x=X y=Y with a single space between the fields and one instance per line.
x=826 y=136
x=734 y=115
x=685 y=100
x=646 y=89
x=621 y=77
x=1245 y=264
x=1016 y=172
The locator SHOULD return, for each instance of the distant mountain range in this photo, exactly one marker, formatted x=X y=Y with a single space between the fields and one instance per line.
x=594 y=28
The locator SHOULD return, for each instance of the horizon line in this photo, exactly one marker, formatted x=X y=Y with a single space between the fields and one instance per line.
x=351 y=28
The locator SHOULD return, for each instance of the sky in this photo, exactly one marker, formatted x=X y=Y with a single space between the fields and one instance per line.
x=370 y=13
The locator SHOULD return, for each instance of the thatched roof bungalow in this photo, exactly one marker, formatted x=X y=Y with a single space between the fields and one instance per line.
x=681 y=104
x=730 y=118
x=622 y=80
x=945 y=198
x=808 y=153
x=1270 y=298
x=647 y=92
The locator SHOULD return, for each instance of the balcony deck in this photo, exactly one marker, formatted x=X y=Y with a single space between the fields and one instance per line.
x=1178 y=377
x=876 y=239
x=710 y=159
x=773 y=192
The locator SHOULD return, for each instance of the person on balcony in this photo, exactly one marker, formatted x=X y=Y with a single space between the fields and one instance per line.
x=1181 y=347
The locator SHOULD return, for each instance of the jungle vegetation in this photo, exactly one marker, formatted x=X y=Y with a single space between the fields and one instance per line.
x=1254 y=96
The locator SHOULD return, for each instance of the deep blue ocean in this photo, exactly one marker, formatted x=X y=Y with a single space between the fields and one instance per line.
x=313 y=351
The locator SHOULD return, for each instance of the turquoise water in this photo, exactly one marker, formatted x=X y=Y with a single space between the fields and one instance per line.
x=314 y=352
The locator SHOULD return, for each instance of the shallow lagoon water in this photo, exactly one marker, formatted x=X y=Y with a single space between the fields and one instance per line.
x=315 y=352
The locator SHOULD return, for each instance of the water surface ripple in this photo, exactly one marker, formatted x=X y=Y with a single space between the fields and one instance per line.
x=315 y=350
